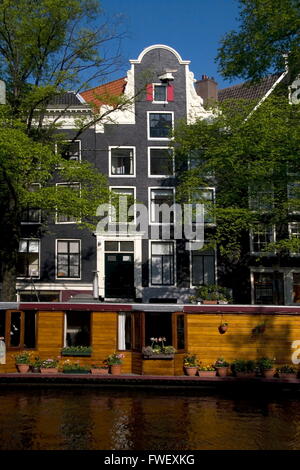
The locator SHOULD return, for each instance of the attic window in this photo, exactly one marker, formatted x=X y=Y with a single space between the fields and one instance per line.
x=160 y=92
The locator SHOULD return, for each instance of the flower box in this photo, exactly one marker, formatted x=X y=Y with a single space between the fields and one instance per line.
x=49 y=370
x=207 y=373
x=158 y=356
x=77 y=353
x=99 y=371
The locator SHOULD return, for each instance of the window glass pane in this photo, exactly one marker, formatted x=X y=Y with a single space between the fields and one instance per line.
x=180 y=331
x=23 y=246
x=15 y=329
x=160 y=93
x=29 y=331
x=111 y=246
x=78 y=330
x=161 y=162
x=2 y=323
x=74 y=247
x=62 y=247
x=122 y=161
x=296 y=288
x=126 y=246
x=160 y=125
x=156 y=270
x=33 y=246
x=162 y=248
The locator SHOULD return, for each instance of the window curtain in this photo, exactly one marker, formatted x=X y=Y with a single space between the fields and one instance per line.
x=121 y=331
x=2 y=352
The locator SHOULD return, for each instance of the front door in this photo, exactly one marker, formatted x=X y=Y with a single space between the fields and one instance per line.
x=119 y=275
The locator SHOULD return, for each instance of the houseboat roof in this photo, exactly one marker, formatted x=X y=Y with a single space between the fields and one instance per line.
x=142 y=307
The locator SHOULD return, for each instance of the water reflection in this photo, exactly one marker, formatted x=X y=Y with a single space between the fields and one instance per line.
x=92 y=419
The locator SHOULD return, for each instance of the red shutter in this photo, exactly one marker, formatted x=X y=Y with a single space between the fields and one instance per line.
x=149 y=92
x=170 y=93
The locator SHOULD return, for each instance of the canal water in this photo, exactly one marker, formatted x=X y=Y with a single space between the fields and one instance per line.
x=93 y=419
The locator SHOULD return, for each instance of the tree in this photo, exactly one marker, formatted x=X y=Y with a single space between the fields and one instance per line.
x=268 y=30
x=46 y=48
x=254 y=164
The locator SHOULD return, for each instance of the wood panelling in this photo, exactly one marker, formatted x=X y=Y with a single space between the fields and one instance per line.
x=50 y=333
x=158 y=367
x=240 y=341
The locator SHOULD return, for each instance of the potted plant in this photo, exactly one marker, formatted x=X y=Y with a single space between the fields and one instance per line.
x=266 y=367
x=115 y=362
x=36 y=364
x=69 y=367
x=23 y=360
x=243 y=368
x=222 y=367
x=76 y=351
x=98 y=369
x=158 y=350
x=223 y=328
x=207 y=371
x=190 y=364
x=211 y=294
x=287 y=371
x=49 y=366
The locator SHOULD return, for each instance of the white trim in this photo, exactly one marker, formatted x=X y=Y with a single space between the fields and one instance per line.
x=32 y=278
x=149 y=162
x=100 y=242
x=161 y=188
x=111 y=188
x=159 y=46
x=70 y=140
x=262 y=253
x=164 y=139
x=162 y=286
x=56 y=253
x=166 y=88
x=291 y=253
x=111 y=175
x=287 y=281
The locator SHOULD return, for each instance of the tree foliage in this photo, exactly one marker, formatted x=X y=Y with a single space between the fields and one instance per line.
x=254 y=164
x=268 y=29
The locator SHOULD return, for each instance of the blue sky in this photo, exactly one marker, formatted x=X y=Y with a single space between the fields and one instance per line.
x=192 y=27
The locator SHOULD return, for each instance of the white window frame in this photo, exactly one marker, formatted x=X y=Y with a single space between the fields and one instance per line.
x=212 y=189
x=39 y=244
x=159 y=188
x=70 y=140
x=165 y=139
x=39 y=210
x=262 y=253
x=111 y=188
x=110 y=148
x=149 y=162
x=290 y=224
x=288 y=190
x=58 y=278
x=162 y=286
x=57 y=222
x=153 y=94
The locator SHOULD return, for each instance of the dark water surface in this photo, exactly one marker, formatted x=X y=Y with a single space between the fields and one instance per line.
x=94 y=419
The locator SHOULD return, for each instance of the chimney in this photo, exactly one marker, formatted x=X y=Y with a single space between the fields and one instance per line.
x=207 y=89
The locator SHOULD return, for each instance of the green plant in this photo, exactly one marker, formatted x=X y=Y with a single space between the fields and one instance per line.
x=190 y=360
x=287 y=369
x=49 y=364
x=209 y=367
x=259 y=329
x=75 y=367
x=265 y=363
x=211 y=292
x=242 y=365
x=23 y=357
x=36 y=361
x=157 y=348
x=99 y=366
x=115 y=359
x=220 y=362
x=77 y=349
